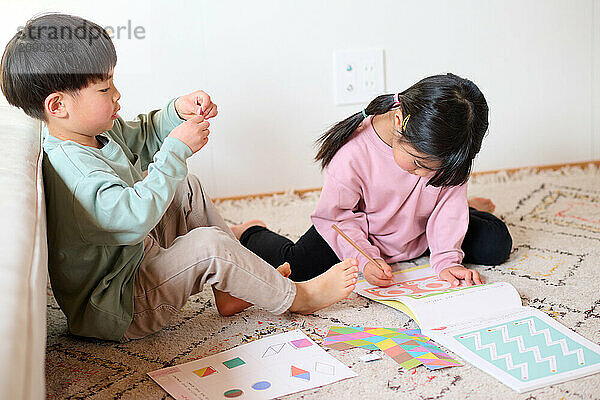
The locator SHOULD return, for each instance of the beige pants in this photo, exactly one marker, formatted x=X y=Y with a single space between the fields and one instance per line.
x=192 y=246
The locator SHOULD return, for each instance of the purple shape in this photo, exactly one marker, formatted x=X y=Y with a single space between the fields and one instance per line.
x=301 y=343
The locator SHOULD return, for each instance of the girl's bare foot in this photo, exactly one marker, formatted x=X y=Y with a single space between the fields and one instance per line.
x=326 y=289
x=482 y=204
x=241 y=228
x=227 y=305
x=285 y=270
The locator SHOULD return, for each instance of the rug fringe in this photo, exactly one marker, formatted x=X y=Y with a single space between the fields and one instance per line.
x=288 y=198
x=505 y=176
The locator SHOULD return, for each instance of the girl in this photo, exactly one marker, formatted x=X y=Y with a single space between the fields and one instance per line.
x=395 y=183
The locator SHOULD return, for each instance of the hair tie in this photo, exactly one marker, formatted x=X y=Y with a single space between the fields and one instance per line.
x=397 y=99
x=364 y=113
x=405 y=122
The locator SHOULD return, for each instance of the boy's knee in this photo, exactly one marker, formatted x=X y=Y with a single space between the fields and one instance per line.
x=211 y=234
x=186 y=188
x=193 y=185
x=214 y=240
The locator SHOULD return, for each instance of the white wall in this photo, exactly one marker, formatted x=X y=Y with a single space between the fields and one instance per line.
x=267 y=65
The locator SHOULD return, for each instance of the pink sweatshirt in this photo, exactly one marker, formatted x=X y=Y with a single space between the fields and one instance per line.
x=387 y=211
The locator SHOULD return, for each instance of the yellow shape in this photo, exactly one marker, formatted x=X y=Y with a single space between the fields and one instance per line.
x=202 y=372
x=385 y=344
x=429 y=356
x=393 y=334
x=380 y=331
x=357 y=342
x=413 y=362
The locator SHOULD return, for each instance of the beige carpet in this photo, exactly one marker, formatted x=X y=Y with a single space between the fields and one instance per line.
x=554 y=218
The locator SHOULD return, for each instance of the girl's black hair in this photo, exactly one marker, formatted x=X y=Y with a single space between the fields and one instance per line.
x=448 y=120
x=51 y=53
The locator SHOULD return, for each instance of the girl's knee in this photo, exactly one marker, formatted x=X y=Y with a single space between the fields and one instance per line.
x=501 y=241
x=489 y=244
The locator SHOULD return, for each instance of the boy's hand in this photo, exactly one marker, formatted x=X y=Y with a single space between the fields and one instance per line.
x=375 y=276
x=453 y=274
x=193 y=132
x=196 y=103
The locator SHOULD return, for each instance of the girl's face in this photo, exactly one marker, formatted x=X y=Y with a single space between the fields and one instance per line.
x=410 y=159
x=405 y=155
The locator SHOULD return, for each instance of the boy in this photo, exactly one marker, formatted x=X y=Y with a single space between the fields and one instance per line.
x=127 y=247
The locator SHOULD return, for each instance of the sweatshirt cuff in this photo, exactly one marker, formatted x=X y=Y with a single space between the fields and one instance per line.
x=173 y=101
x=176 y=146
x=450 y=260
x=171 y=116
x=363 y=261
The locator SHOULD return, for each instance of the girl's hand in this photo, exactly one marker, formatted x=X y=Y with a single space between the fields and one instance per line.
x=453 y=274
x=375 y=276
x=196 y=103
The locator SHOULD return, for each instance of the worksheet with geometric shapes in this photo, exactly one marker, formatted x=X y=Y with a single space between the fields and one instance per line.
x=263 y=369
x=525 y=349
x=408 y=347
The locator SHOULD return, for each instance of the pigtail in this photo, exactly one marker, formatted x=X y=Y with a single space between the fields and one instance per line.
x=339 y=134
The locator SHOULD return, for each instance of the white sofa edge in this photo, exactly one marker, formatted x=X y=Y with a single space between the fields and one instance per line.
x=23 y=257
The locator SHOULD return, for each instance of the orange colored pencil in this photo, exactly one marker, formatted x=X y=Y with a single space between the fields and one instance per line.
x=361 y=251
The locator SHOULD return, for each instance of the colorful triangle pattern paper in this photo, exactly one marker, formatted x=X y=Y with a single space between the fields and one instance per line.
x=408 y=347
x=430 y=355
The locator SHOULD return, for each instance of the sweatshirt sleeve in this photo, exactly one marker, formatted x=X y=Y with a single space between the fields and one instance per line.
x=447 y=226
x=110 y=212
x=338 y=205
x=145 y=134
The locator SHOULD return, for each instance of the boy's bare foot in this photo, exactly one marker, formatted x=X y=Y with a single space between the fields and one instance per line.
x=482 y=204
x=227 y=305
x=241 y=228
x=326 y=289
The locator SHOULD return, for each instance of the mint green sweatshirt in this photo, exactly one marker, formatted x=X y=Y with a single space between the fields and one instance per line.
x=99 y=210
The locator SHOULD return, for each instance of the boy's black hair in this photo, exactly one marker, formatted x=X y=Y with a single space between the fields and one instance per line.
x=54 y=53
x=448 y=120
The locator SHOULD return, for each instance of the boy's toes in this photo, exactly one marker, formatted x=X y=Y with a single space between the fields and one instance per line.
x=348 y=266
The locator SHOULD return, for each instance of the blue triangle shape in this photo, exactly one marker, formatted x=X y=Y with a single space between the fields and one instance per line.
x=305 y=376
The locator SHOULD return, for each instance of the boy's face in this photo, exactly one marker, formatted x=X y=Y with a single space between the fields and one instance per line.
x=94 y=108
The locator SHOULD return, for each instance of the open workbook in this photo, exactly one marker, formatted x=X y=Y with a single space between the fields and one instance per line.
x=488 y=326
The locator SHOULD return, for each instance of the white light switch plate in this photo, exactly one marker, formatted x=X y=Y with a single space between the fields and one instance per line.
x=358 y=75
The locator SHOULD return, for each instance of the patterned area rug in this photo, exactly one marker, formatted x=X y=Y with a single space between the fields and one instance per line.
x=554 y=217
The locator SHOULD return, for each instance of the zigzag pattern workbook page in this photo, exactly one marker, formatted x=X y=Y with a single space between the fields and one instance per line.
x=525 y=349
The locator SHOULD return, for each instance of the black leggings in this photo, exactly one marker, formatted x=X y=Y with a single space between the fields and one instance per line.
x=486 y=242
